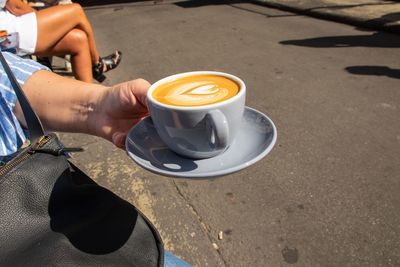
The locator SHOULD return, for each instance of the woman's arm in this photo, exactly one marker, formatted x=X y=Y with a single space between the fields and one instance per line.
x=68 y=105
x=18 y=8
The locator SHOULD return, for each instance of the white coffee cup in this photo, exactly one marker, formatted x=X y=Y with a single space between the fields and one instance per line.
x=200 y=131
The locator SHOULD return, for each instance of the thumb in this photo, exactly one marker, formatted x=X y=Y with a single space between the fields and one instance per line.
x=118 y=139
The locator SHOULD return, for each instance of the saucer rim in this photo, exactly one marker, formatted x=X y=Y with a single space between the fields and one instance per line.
x=207 y=174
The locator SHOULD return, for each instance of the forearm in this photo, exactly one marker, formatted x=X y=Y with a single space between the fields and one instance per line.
x=18 y=8
x=62 y=104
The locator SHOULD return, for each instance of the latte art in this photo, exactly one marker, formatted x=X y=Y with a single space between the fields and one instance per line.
x=203 y=89
x=196 y=90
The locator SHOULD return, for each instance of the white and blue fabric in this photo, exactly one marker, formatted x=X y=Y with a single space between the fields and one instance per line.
x=12 y=135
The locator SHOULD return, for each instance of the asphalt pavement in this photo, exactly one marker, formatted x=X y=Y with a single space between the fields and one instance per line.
x=372 y=14
x=328 y=193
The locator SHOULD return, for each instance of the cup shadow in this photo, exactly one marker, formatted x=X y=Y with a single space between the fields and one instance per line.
x=99 y=224
x=145 y=144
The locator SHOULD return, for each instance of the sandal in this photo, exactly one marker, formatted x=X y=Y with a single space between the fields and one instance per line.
x=106 y=64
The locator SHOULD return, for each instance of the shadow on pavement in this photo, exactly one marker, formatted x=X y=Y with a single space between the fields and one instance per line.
x=86 y=3
x=387 y=18
x=374 y=70
x=200 y=3
x=265 y=14
x=352 y=5
x=231 y=3
x=184 y=4
x=390 y=19
x=377 y=39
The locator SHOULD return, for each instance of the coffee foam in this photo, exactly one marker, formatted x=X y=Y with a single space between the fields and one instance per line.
x=196 y=90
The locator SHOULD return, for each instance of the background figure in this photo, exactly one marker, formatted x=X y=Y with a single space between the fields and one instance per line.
x=57 y=31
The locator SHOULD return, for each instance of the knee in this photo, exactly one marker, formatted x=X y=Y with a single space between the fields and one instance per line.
x=77 y=9
x=78 y=40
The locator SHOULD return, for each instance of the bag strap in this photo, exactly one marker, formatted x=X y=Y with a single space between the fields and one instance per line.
x=32 y=120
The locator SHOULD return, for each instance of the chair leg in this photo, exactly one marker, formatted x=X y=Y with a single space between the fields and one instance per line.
x=68 y=66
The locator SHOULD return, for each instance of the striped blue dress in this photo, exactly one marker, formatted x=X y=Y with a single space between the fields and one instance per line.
x=12 y=136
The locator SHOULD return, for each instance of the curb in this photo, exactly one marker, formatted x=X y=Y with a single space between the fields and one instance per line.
x=377 y=24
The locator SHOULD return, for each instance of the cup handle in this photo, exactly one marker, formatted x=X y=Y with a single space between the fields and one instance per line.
x=218 y=131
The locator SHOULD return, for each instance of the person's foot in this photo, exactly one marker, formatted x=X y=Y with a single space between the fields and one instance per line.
x=105 y=64
x=111 y=61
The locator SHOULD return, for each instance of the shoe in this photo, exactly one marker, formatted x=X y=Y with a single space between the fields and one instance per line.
x=106 y=64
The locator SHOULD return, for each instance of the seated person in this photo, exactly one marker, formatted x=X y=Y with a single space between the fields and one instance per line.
x=64 y=104
x=57 y=30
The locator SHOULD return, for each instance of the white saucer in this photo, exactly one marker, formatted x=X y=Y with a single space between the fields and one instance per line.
x=255 y=140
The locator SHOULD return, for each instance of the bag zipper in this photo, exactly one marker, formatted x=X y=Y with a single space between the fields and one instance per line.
x=32 y=150
x=23 y=156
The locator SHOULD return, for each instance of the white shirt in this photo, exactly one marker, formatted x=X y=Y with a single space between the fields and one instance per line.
x=6 y=18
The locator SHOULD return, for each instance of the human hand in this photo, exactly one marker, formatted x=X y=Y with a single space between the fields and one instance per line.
x=121 y=107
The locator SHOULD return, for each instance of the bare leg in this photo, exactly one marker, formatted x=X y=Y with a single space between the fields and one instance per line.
x=75 y=43
x=55 y=22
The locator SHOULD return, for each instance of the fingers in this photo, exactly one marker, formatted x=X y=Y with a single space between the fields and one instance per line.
x=118 y=139
x=125 y=106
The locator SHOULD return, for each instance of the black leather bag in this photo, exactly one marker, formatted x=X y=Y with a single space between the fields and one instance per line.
x=52 y=214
